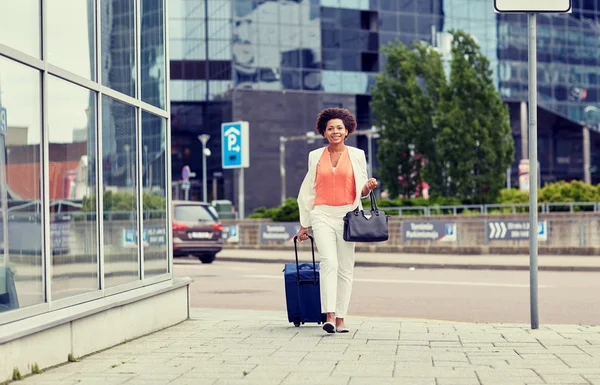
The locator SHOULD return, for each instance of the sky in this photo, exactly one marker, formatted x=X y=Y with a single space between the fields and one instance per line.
x=67 y=47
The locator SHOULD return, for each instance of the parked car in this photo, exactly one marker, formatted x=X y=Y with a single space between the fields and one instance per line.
x=197 y=230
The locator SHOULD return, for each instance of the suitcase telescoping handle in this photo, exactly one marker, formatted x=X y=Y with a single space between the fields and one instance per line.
x=312 y=244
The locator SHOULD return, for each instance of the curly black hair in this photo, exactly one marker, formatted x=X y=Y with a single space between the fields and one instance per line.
x=335 y=113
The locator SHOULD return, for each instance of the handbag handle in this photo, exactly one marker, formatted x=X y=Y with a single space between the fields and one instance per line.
x=312 y=244
x=373 y=203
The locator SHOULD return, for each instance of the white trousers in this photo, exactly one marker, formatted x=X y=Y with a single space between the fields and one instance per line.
x=337 y=258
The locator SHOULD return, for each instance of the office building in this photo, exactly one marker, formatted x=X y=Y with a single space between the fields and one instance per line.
x=84 y=161
x=276 y=64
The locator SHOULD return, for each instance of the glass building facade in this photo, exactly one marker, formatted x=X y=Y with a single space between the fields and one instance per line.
x=332 y=47
x=84 y=165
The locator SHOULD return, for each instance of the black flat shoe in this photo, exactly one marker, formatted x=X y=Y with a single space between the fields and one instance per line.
x=329 y=327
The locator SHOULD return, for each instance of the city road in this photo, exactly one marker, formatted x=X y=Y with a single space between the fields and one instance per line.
x=441 y=294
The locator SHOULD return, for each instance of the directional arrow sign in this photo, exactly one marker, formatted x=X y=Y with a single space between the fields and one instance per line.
x=515 y=230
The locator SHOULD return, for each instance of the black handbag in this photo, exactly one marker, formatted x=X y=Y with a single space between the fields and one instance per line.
x=359 y=228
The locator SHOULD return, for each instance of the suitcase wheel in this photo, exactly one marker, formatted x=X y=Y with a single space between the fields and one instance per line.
x=296 y=324
x=297 y=321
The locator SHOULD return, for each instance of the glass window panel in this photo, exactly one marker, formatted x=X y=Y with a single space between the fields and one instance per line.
x=289 y=13
x=388 y=22
x=271 y=57
x=71 y=40
x=118 y=45
x=153 y=52
x=240 y=7
x=24 y=17
x=219 y=29
x=350 y=61
x=219 y=50
x=389 y=5
x=330 y=17
x=176 y=9
x=291 y=36
x=311 y=80
x=311 y=38
x=219 y=8
x=350 y=39
x=154 y=177
x=290 y=79
x=289 y=58
x=268 y=12
x=119 y=151
x=72 y=153
x=311 y=58
x=331 y=38
x=311 y=16
x=20 y=210
x=269 y=34
x=407 y=5
x=350 y=18
x=407 y=23
x=332 y=60
x=331 y=81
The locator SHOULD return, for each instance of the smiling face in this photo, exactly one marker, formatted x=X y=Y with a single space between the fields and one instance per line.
x=335 y=132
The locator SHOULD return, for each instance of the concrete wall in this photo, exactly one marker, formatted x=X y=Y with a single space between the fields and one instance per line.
x=569 y=234
x=107 y=322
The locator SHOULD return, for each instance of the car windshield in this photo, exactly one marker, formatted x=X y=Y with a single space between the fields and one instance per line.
x=193 y=213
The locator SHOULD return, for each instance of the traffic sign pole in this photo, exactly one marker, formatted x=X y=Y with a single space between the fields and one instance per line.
x=533 y=172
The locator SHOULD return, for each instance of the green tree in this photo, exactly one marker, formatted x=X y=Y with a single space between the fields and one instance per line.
x=473 y=141
x=403 y=103
x=459 y=125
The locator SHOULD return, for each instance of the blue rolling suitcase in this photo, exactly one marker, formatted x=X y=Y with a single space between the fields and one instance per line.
x=302 y=291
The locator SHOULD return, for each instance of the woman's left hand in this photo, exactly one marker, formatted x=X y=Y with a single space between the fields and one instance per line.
x=371 y=184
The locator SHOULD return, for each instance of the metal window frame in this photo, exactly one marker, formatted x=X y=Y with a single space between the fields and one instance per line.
x=45 y=70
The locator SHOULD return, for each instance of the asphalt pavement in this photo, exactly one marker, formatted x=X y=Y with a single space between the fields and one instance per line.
x=429 y=261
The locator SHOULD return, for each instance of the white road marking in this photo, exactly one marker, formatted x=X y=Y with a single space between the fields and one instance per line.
x=379 y=280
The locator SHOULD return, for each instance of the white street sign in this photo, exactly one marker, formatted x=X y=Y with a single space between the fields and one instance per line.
x=532 y=6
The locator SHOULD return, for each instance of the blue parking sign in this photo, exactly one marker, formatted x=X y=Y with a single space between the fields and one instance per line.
x=235 y=145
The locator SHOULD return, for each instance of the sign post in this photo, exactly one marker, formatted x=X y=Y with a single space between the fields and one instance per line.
x=235 y=141
x=532 y=8
x=186 y=173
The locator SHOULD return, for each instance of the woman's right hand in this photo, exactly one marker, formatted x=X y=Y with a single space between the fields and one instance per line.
x=302 y=234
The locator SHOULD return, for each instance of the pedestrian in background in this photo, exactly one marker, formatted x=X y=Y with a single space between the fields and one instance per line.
x=334 y=185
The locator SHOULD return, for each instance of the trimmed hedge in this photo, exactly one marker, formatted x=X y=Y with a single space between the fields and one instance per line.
x=559 y=192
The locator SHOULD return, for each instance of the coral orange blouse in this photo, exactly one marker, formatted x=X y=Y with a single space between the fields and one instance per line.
x=335 y=186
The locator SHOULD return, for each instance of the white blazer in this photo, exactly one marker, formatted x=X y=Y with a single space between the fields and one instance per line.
x=306 y=196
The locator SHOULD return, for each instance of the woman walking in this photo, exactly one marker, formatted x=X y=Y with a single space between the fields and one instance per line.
x=334 y=185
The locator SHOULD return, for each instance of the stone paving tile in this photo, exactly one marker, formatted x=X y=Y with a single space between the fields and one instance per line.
x=220 y=346
x=564 y=379
x=391 y=381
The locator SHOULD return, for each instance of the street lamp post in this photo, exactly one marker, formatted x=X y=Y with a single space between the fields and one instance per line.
x=203 y=139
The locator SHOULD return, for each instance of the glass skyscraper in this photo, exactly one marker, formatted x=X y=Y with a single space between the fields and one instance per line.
x=276 y=63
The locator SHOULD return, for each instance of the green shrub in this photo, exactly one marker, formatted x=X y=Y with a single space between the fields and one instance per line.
x=287 y=212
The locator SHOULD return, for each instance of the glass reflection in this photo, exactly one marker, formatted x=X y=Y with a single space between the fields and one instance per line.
x=153 y=52
x=262 y=46
x=154 y=179
x=118 y=45
x=21 y=283
x=119 y=151
x=72 y=154
x=20 y=28
x=71 y=39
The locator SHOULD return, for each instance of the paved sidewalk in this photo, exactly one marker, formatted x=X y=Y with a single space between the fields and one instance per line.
x=431 y=261
x=260 y=347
